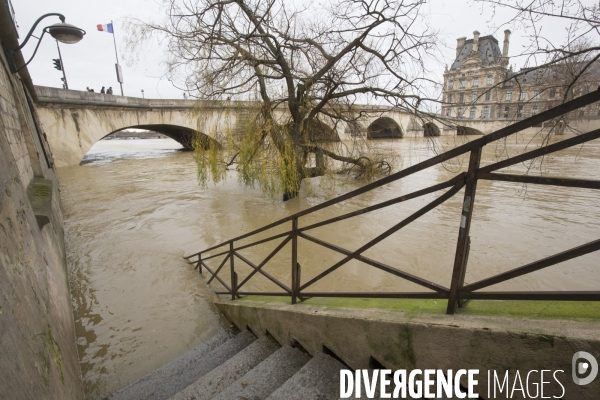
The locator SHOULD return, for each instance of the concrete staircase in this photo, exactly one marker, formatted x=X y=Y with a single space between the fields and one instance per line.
x=236 y=365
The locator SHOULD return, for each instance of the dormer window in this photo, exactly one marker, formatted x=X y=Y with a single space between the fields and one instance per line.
x=451 y=84
x=489 y=80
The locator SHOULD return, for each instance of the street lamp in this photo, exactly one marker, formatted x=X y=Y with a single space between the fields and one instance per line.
x=63 y=32
x=143 y=94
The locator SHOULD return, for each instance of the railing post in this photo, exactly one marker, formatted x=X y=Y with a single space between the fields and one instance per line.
x=295 y=274
x=233 y=274
x=200 y=264
x=463 y=243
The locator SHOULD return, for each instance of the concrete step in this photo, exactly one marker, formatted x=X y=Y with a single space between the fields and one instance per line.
x=227 y=373
x=267 y=376
x=319 y=379
x=182 y=372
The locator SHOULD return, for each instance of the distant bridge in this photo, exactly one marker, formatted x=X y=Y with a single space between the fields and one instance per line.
x=75 y=120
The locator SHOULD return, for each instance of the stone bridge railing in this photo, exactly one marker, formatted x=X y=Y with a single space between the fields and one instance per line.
x=76 y=97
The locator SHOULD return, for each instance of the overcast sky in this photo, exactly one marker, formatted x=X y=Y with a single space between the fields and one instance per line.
x=91 y=62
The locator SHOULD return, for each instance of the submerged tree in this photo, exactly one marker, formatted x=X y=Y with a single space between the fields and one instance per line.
x=306 y=64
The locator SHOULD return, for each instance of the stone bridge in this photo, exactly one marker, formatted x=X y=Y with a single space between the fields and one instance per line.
x=74 y=121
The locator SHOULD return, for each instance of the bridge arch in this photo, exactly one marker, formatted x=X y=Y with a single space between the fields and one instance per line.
x=384 y=128
x=465 y=130
x=181 y=134
x=321 y=132
x=431 y=129
x=353 y=129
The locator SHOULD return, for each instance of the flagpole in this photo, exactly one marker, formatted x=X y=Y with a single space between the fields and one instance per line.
x=119 y=77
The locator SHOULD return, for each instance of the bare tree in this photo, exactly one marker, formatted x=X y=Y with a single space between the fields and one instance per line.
x=314 y=60
x=577 y=53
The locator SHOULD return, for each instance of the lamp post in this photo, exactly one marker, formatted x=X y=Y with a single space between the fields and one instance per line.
x=62 y=32
x=143 y=94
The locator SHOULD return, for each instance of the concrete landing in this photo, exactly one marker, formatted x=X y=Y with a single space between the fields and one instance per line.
x=486 y=335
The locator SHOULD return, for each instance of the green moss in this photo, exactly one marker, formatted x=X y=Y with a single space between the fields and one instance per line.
x=55 y=353
x=569 y=310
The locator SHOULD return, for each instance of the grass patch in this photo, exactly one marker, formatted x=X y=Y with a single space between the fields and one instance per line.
x=562 y=310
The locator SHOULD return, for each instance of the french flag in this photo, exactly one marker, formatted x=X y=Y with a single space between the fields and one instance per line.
x=105 y=28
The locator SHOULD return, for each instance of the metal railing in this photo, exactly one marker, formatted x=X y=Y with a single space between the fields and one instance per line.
x=457 y=293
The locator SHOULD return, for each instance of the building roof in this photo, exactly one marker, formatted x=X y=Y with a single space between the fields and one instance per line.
x=488 y=51
x=558 y=74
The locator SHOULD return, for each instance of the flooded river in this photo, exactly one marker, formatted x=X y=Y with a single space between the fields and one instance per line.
x=133 y=209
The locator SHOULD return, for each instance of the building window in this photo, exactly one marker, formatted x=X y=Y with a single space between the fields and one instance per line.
x=552 y=93
x=451 y=84
x=489 y=80
x=449 y=98
x=486 y=112
x=522 y=95
x=506 y=111
x=474 y=97
x=534 y=109
x=460 y=112
x=488 y=94
x=508 y=95
x=536 y=94
x=520 y=112
x=586 y=89
x=461 y=98
x=462 y=83
x=448 y=112
x=475 y=82
x=472 y=113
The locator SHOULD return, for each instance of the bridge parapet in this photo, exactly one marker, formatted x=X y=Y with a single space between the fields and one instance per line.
x=50 y=95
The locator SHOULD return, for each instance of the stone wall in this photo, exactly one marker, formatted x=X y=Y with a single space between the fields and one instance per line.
x=38 y=354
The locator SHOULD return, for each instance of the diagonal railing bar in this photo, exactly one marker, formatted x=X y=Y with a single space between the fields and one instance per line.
x=381 y=295
x=388 y=232
x=534 y=266
x=215 y=255
x=264 y=273
x=544 y=116
x=266 y=260
x=563 y=144
x=263 y=240
x=394 y=271
x=217 y=277
x=264 y=228
x=218 y=269
x=543 y=180
x=555 y=296
x=406 y=197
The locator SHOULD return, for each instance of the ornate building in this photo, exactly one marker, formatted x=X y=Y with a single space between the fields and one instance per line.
x=480 y=84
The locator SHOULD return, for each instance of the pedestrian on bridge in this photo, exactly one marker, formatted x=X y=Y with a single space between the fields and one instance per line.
x=103 y=90
x=109 y=90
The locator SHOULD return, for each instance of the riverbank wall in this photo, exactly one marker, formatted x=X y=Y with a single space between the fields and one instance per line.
x=38 y=353
x=417 y=334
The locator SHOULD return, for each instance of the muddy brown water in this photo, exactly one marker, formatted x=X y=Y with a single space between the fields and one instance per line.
x=133 y=209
